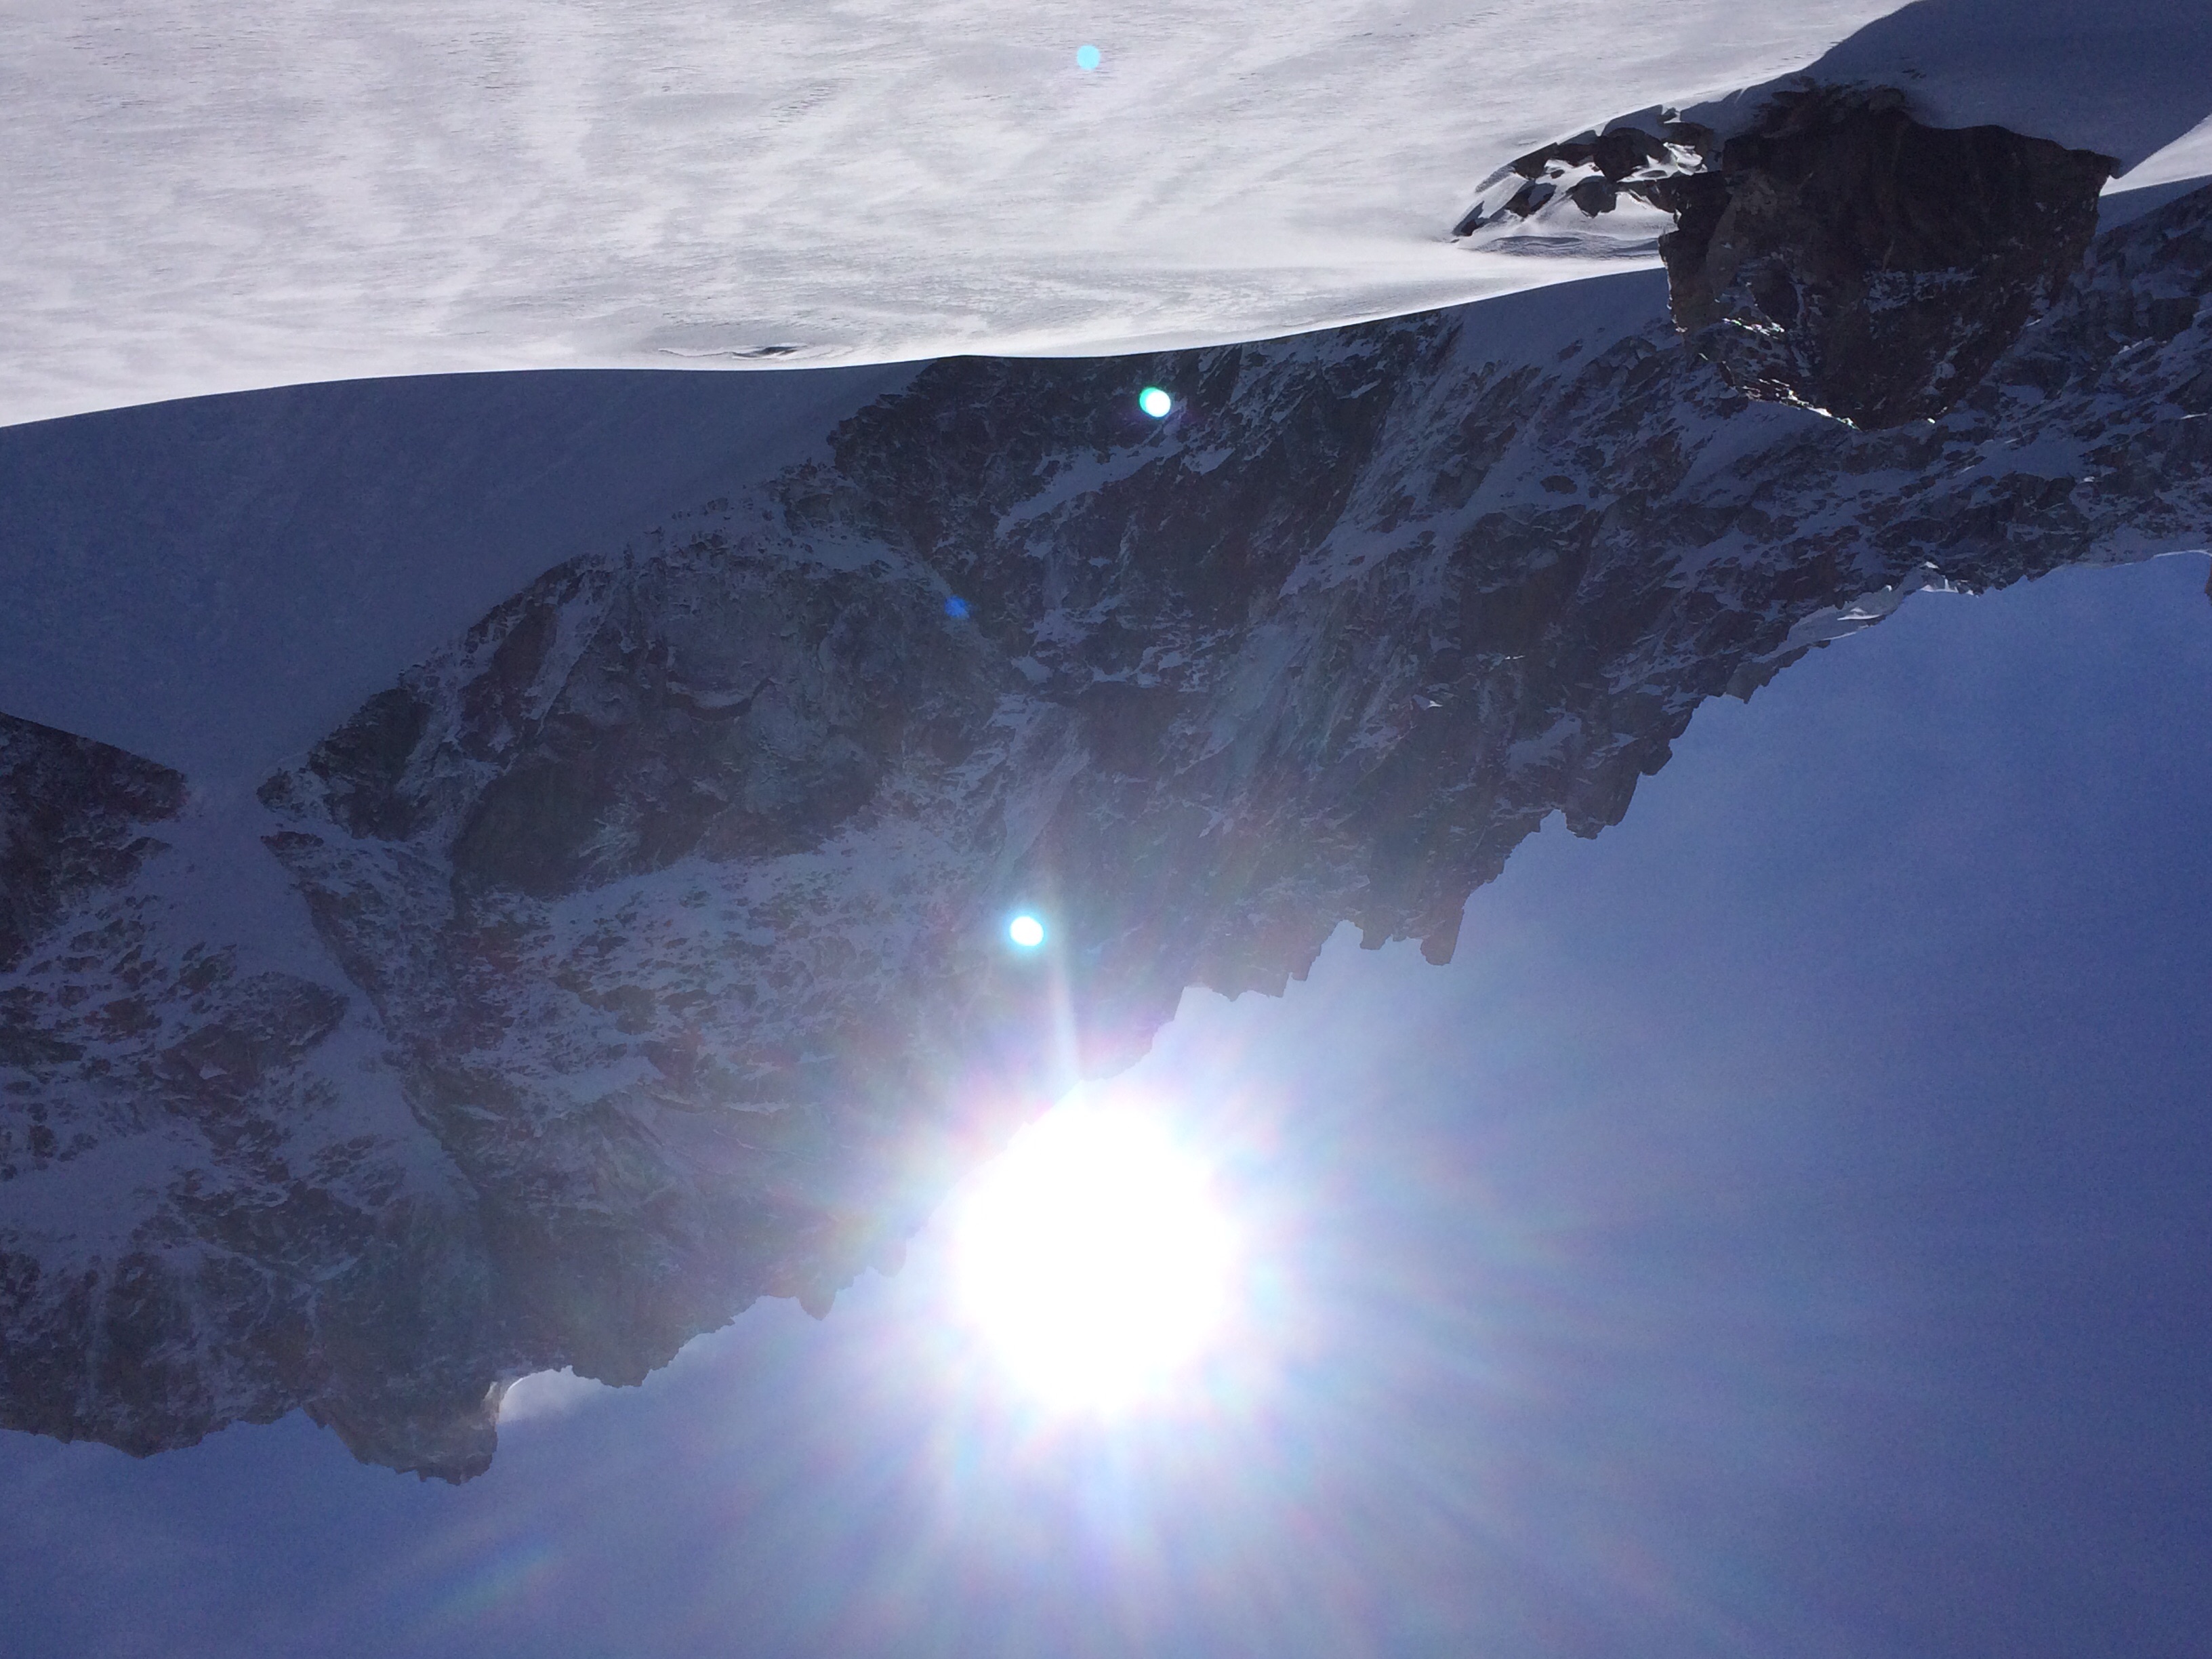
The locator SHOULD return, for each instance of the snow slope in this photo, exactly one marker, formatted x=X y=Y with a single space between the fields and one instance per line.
x=204 y=197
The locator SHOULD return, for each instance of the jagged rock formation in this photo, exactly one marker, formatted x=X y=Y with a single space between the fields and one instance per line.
x=1839 y=253
x=644 y=943
x=213 y=1206
x=1846 y=257
x=73 y=818
x=1593 y=173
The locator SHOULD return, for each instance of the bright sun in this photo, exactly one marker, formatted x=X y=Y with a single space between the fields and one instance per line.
x=1092 y=1257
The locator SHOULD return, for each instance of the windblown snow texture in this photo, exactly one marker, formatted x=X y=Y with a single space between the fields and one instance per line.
x=204 y=198
x=636 y=954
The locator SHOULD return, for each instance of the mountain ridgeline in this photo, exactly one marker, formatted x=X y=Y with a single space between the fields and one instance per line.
x=641 y=952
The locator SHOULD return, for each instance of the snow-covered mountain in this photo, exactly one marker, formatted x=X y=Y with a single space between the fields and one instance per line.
x=639 y=952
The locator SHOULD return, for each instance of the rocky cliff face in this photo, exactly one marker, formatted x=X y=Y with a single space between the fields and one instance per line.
x=1839 y=253
x=75 y=817
x=214 y=1205
x=639 y=953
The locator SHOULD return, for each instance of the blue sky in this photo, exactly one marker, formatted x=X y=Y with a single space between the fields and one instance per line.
x=1782 y=1230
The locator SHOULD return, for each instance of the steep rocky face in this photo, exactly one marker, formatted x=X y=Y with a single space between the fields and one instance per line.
x=75 y=817
x=1844 y=257
x=666 y=905
x=212 y=1207
x=1839 y=253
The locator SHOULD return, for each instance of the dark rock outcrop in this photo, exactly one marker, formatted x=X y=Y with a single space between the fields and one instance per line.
x=1838 y=253
x=1592 y=172
x=1843 y=256
x=75 y=817
x=664 y=905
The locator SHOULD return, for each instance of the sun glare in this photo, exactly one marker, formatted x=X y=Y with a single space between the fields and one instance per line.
x=1093 y=1258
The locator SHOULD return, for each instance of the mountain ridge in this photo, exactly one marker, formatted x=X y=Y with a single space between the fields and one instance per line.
x=659 y=913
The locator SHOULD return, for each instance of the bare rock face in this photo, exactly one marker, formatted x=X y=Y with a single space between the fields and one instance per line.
x=1837 y=254
x=212 y=1207
x=641 y=951
x=76 y=816
x=1844 y=257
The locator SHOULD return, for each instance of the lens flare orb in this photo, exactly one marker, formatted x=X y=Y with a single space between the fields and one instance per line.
x=1093 y=1260
x=1026 y=931
x=1155 y=402
x=1086 y=58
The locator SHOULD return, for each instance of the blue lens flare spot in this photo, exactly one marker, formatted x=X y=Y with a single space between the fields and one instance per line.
x=1155 y=402
x=1086 y=58
x=956 y=608
x=1026 y=931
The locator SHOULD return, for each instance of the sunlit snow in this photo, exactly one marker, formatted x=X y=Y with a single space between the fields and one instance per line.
x=202 y=197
